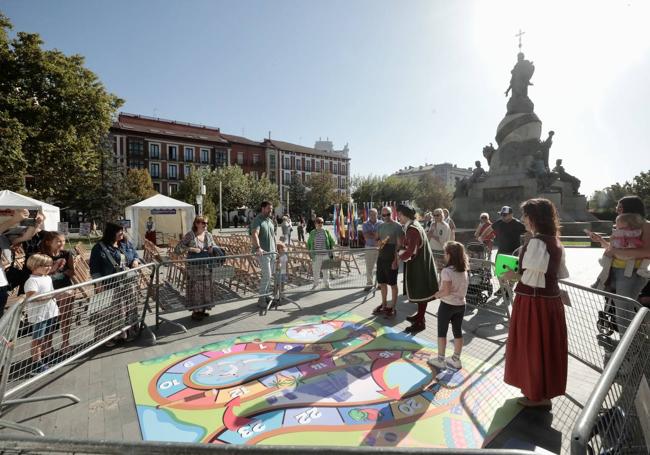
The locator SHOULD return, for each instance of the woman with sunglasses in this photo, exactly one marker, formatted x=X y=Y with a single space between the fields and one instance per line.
x=198 y=244
x=487 y=240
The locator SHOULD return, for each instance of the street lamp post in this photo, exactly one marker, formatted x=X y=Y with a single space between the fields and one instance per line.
x=199 y=196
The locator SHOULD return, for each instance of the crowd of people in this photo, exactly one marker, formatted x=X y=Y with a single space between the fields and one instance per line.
x=536 y=353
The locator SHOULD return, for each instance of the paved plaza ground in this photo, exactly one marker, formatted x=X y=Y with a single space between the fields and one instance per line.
x=107 y=410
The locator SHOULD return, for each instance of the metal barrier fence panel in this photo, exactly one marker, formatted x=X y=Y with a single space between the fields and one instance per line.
x=594 y=322
x=91 y=314
x=616 y=418
x=50 y=445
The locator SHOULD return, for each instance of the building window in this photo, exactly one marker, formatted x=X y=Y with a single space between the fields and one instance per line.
x=205 y=156
x=308 y=165
x=287 y=178
x=173 y=188
x=240 y=158
x=256 y=175
x=222 y=158
x=172 y=171
x=189 y=154
x=136 y=154
x=256 y=158
x=156 y=186
x=154 y=151
x=272 y=176
x=335 y=168
x=342 y=168
x=172 y=152
x=286 y=163
x=187 y=170
x=298 y=164
x=326 y=168
x=154 y=170
x=317 y=167
x=272 y=161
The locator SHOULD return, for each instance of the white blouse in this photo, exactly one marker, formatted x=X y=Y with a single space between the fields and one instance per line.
x=535 y=261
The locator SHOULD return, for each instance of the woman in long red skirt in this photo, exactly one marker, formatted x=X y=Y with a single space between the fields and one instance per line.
x=536 y=351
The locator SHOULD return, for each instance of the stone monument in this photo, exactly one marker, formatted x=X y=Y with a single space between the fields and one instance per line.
x=519 y=166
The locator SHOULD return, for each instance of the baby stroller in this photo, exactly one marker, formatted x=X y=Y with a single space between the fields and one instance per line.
x=480 y=275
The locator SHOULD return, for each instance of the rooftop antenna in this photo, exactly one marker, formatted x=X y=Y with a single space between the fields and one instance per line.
x=269 y=135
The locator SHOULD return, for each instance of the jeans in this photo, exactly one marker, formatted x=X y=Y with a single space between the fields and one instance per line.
x=267 y=268
x=628 y=287
x=371 y=262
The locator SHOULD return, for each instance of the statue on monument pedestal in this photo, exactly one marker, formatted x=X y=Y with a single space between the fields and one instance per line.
x=488 y=151
x=464 y=185
x=563 y=176
x=545 y=147
x=538 y=169
x=519 y=82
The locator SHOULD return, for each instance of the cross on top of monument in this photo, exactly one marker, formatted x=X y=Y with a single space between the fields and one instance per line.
x=519 y=35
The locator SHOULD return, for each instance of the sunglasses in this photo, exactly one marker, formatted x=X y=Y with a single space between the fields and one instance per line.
x=385 y=214
x=438 y=216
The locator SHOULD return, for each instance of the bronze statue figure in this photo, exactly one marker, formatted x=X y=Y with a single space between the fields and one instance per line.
x=564 y=176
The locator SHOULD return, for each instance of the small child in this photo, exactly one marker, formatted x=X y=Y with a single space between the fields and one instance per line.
x=283 y=260
x=628 y=232
x=41 y=313
x=452 y=305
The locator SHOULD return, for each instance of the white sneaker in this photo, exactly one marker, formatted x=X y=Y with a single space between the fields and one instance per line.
x=456 y=364
x=315 y=286
x=437 y=363
x=327 y=286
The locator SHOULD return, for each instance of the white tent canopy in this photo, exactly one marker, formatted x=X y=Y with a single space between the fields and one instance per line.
x=170 y=216
x=11 y=200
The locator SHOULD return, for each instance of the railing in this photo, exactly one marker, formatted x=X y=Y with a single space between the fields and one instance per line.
x=91 y=314
x=616 y=418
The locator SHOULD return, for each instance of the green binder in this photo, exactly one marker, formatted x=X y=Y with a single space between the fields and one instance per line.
x=506 y=262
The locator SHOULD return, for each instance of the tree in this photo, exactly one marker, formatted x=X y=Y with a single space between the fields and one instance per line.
x=59 y=113
x=322 y=193
x=138 y=186
x=298 y=197
x=432 y=193
x=12 y=159
x=235 y=187
x=603 y=202
x=262 y=190
x=366 y=189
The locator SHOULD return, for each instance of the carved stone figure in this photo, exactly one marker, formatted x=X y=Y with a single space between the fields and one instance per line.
x=566 y=177
x=523 y=70
x=478 y=173
x=488 y=151
x=462 y=188
x=545 y=147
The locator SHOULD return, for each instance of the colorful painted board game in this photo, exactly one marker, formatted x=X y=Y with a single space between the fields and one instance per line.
x=333 y=380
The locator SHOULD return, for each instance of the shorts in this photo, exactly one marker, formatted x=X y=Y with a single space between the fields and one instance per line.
x=450 y=313
x=43 y=328
x=284 y=278
x=386 y=274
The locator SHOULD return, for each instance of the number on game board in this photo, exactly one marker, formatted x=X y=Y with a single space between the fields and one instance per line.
x=409 y=406
x=385 y=354
x=238 y=392
x=188 y=364
x=167 y=384
x=305 y=417
x=247 y=430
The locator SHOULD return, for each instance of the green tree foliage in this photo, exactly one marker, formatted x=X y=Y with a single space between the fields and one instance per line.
x=235 y=187
x=262 y=190
x=432 y=194
x=60 y=113
x=298 y=204
x=138 y=186
x=322 y=193
x=12 y=159
x=603 y=202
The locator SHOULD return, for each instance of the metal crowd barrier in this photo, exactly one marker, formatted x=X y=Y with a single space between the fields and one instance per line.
x=594 y=321
x=33 y=445
x=91 y=314
x=616 y=418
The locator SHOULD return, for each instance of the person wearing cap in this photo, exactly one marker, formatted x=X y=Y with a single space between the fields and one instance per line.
x=390 y=236
x=420 y=282
x=508 y=231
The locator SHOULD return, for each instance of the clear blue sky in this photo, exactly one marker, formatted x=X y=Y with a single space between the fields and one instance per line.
x=403 y=82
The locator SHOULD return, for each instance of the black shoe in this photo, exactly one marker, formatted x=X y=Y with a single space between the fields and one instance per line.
x=412 y=319
x=415 y=327
x=367 y=288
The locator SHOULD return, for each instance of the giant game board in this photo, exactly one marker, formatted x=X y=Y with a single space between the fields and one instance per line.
x=334 y=380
